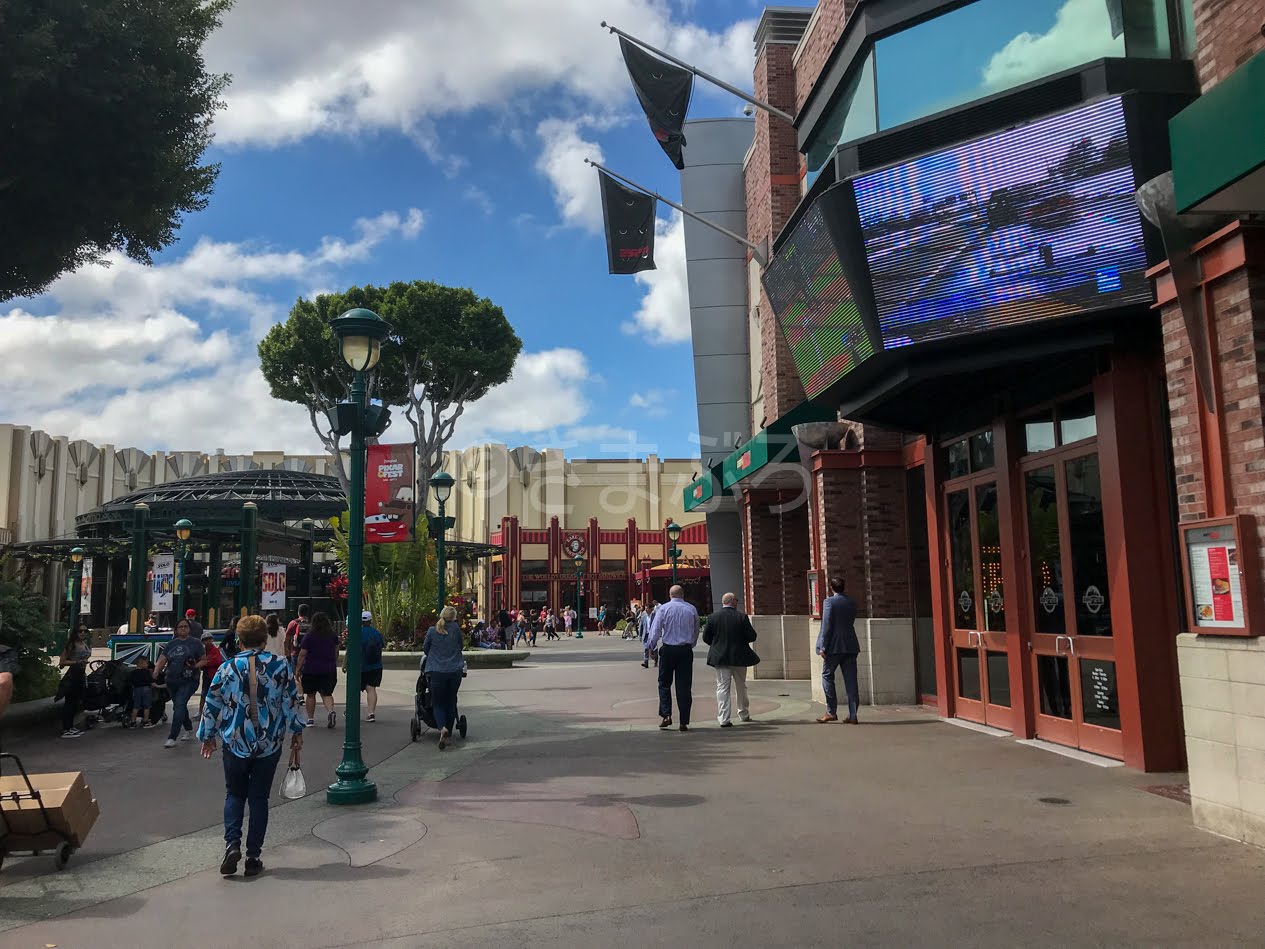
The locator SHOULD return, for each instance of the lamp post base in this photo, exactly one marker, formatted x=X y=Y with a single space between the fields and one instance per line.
x=351 y=791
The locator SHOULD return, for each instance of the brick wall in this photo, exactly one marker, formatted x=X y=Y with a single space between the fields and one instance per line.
x=776 y=548
x=817 y=45
x=1227 y=34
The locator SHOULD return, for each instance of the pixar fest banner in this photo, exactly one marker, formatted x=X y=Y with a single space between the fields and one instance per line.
x=389 y=511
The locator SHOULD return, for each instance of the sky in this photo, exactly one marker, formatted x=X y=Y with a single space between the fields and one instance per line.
x=398 y=140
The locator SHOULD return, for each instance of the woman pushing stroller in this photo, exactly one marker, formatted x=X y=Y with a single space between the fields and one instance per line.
x=442 y=646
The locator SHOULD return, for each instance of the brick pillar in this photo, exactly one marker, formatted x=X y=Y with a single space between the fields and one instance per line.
x=776 y=552
x=1227 y=34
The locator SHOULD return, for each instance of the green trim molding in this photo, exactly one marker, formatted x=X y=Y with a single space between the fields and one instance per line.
x=703 y=489
x=773 y=443
x=1218 y=144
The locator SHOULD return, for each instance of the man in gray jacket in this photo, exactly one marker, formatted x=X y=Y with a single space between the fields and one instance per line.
x=838 y=647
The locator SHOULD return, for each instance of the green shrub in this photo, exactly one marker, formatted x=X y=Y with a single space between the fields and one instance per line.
x=24 y=628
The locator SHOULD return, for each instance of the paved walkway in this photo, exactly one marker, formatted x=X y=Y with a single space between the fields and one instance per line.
x=567 y=818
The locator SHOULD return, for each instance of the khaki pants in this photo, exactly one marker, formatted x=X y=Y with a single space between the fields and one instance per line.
x=735 y=676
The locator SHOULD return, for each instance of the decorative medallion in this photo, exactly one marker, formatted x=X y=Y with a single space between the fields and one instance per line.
x=995 y=601
x=1049 y=600
x=964 y=602
x=574 y=545
x=1093 y=599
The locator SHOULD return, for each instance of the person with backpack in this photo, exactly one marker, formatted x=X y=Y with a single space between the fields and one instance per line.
x=295 y=631
x=253 y=702
x=371 y=646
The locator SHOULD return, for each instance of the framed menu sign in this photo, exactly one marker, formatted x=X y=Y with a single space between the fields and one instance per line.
x=1221 y=576
x=814 y=594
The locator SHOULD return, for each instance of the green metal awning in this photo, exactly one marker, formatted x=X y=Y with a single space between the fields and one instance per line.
x=1218 y=144
x=698 y=492
x=773 y=444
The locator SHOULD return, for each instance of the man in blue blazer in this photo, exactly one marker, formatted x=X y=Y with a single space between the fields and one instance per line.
x=838 y=647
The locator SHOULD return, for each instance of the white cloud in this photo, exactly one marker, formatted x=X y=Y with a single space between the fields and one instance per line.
x=302 y=67
x=574 y=184
x=545 y=393
x=1081 y=31
x=607 y=436
x=664 y=314
x=654 y=402
x=479 y=197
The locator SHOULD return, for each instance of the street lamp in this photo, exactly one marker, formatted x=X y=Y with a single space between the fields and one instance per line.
x=441 y=483
x=360 y=333
x=674 y=534
x=184 y=529
x=579 y=610
x=76 y=578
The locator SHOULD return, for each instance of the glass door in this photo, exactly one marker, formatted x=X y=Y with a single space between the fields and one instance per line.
x=1073 y=652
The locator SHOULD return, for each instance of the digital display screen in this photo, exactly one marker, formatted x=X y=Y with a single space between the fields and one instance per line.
x=1032 y=223
x=815 y=305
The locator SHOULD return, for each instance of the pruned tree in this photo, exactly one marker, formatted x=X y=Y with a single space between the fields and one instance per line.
x=106 y=109
x=447 y=348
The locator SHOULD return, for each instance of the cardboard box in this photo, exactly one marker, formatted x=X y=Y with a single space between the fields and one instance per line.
x=67 y=801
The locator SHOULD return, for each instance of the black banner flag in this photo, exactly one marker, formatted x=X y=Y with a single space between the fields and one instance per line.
x=664 y=93
x=629 y=219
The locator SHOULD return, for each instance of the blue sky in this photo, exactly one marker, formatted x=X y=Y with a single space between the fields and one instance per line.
x=397 y=140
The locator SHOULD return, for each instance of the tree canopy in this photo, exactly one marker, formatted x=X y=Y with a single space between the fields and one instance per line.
x=106 y=109
x=448 y=347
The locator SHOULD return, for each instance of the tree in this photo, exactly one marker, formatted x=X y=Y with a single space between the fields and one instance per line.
x=106 y=108
x=447 y=348
x=24 y=629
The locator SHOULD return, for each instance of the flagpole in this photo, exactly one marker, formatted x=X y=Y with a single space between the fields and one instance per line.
x=756 y=250
x=732 y=90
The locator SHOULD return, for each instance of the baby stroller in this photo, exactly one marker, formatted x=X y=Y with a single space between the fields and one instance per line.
x=424 y=712
x=106 y=692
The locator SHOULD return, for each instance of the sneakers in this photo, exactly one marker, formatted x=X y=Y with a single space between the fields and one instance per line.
x=254 y=866
x=329 y=721
x=186 y=736
x=149 y=725
x=726 y=724
x=232 y=854
x=310 y=723
x=72 y=733
x=443 y=739
x=169 y=743
x=373 y=717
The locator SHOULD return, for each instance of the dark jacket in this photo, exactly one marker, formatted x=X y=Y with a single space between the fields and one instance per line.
x=838 y=634
x=730 y=634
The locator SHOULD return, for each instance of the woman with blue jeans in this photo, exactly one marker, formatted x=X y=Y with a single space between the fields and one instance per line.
x=442 y=647
x=183 y=659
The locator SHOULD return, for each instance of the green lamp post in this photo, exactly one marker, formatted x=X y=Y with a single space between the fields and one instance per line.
x=76 y=592
x=579 y=602
x=441 y=483
x=184 y=529
x=360 y=333
x=674 y=534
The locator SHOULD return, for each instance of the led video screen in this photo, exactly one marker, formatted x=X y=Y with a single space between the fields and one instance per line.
x=1029 y=224
x=815 y=305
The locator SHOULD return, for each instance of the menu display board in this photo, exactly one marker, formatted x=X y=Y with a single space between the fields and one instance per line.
x=1220 y=575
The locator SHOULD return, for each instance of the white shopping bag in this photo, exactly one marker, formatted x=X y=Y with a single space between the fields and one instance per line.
x=293 y=786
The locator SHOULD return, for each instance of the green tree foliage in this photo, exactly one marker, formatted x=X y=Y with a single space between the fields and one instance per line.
x=447 y=348
x=400 y=581
x=105 y=107
x=24 y=628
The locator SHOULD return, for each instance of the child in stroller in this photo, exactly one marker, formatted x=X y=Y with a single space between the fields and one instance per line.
x=424 y=712
x=107 y=694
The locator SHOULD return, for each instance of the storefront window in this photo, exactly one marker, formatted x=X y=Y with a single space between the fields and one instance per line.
x=613 y=566
x=959 y=458
x=982 y=451
x=990 y=46
x=998 y=678
x=1043 y=552
x=989 y=530
x=533 y=567
x=963 y=562
x=1088 y=543
x=1076 y=419
x=1038 y=432
x=852 y=117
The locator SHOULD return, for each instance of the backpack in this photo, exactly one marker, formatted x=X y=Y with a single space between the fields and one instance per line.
x=295 y=632
x=372 y=649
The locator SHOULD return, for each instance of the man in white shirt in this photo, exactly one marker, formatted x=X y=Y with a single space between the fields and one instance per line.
x=674 y=631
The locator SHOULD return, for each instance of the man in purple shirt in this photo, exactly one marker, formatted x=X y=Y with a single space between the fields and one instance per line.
x=674 y=632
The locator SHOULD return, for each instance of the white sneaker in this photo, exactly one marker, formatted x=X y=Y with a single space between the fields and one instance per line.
x=186 y=736
x=72 y=733
x=310 y=723
x=169 y=743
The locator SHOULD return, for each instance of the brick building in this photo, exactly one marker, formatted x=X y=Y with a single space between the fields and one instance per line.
x=976 y=397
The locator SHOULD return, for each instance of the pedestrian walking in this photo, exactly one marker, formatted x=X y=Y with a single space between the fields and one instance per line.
x=674 y=633
x=74 y=659
x=730 y=634
x=214 y=658
x=317 y=668
x=296 y=629
x=838 y=647
x=182 y=659
x=195 y=628
x=276 y=641
x=444 y=663
x=371 y=646
x=252 y=704
x=228 y=645
x=567 y=618
x=645 y=622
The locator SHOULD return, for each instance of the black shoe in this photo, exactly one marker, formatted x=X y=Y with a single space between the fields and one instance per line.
x=228 y=866
x=726 y=724
x=645 y=665
x=666 y=723
x=685 y=728
x=254 y=866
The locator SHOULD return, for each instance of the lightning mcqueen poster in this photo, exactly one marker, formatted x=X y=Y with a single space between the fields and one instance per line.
x=389 y=513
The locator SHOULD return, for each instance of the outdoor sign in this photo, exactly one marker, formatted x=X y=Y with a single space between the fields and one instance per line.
x=1220 y=576
x=663 y=90
x=628 y=217
x=274 y=586
x=164 y=585
x=389 y=479
x=85 y=588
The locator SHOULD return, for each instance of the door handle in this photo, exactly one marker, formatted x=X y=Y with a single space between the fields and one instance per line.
x=1057 y=640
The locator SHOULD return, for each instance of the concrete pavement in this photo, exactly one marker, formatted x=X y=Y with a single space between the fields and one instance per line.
x=567 y=818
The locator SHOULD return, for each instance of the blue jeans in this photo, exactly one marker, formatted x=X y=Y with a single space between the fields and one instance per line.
x=181 y=691
x=247 y=779
x=847 y=661
x=443 y=698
